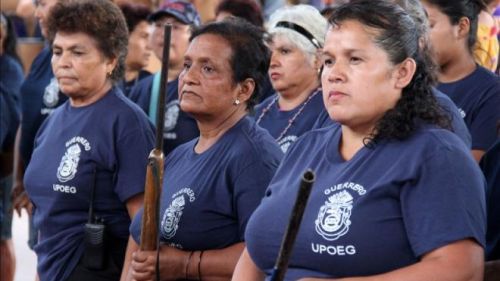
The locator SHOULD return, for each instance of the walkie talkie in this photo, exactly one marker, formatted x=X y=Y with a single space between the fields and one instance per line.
x=94 y=235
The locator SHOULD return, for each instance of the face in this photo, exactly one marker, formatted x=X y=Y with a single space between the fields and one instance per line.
x=3 y=34
x=443 y=35
x=139 y=49
x=42 y=9
x=206 y=86
x=179 y=39
x=79 y=66
x=359 y=83
x=290 y=67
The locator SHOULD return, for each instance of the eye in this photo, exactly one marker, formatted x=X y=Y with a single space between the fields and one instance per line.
x=328 y=62
x=284 y=51
x=186 y=65
x=56 y=52
x=355 y=60
x=78 y=53
x=208 y=69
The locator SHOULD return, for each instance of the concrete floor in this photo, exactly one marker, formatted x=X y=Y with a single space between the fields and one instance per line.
x=25 y=258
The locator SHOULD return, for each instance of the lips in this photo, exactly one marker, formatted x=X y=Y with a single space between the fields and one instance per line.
x=275 y=75
x=335 y=96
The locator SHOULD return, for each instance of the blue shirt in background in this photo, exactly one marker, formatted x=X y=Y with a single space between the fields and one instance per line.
x=179 y=127
x=39 y=97
x=269 y=116
x=478 y=98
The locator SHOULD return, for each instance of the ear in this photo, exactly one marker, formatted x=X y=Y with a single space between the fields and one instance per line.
x=111 y=64
x=463 y=28
x=404 y=73
x=245 y=89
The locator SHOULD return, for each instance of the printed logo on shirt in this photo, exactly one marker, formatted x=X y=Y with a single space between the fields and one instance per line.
x=173 y=214
x=334 y=216
x=171 y=116
x=286 y=142
x=69 y=163
x=462 y=112
x=51 y=94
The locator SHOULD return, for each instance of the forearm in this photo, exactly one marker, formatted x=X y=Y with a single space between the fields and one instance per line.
x=131 y=247
x=18 y=166
x=214 y=264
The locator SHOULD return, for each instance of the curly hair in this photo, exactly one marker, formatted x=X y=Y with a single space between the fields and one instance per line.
x=395 y=34
x=246 y=9
x=250 y=57
x=100 y=19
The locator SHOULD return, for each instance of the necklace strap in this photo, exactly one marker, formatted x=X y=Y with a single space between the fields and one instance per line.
x=291 y=120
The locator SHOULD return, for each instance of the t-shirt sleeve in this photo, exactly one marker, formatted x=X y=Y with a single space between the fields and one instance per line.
x=135 y=226
x=132 y=155
x=445 y=203
x=483 y=128
x=250 y=188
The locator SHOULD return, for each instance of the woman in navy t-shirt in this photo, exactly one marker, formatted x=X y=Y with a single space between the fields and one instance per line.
x=297 y=37
x=474 y=89
x=213 y=183
x=98 y=140
x=397 y=196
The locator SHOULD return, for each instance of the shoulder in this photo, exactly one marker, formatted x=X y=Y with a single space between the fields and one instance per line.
x=129 y=113
x=254 y=143
x=264 y=103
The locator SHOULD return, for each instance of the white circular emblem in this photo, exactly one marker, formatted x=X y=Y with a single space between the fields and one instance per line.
x=51 y=94
x=333 y=217
x=69 y=163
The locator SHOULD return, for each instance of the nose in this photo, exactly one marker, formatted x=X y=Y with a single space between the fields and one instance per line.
x=187 y=76
x=275 y=62
x=334 y=73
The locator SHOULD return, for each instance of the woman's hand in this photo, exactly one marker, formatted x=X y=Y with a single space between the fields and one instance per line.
x=143 y=265
x=172 y=264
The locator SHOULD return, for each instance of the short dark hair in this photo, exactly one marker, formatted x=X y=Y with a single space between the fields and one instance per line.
x=250 y=57
x=100 y=19
x=245 y=9
x=395 y=34
x=134 y=14
x=457 y=9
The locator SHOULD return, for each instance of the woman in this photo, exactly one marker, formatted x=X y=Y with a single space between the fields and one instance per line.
x=474 y=89
x=213 y=183
x=97 y=141
x=139 y=48
x=297 y=37
x=378 y=209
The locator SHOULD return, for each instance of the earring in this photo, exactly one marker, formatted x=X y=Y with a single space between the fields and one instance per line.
x=236 y=102
x=109 y=73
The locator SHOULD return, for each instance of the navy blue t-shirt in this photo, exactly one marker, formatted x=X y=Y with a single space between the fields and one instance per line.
x=111 y=136
x=269 y=116
x=208 y=198
x=457 y=122
x=9 y=118
x=490 y=164
x=179 y=127
x=478 y=98
x=126 y=86
x=381 y=210
x=40 y=95
x=12 y=73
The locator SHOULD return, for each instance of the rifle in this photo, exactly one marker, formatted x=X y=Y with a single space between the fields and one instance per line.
x=292 y=229
x=154 y=172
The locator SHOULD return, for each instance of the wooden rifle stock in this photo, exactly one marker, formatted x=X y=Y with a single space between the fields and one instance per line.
x=292 y=229
x=154 y=173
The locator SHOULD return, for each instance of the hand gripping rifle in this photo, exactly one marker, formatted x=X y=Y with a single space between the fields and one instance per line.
x=154 y=172
x=292 y=229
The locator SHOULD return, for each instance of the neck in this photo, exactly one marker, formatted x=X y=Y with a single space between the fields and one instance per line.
x=211 y=130
x=290 y=99
x=90 y=97
x=457 y=69
x=131 y=74
x=352 y=140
